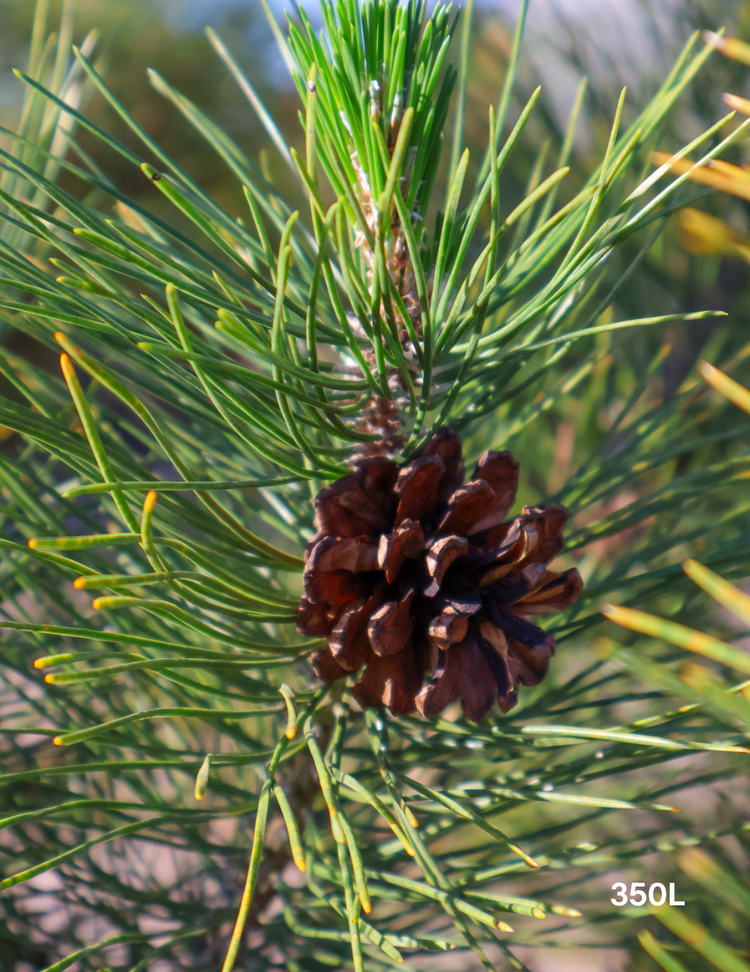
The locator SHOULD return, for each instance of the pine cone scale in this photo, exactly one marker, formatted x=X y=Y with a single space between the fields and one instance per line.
x=466 y=506
x=391 y=626
x=476 y=684
x=348 y=642
x=496 y=661
x=345 y=510
x=449 y=628
x=417 y=488
x=440 y=555
x=443 y=687
x=559 y=591
x=353 y=554
x=406 y=541
x=500 y=471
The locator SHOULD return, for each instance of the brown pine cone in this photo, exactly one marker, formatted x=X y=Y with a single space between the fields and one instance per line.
x=411 y=571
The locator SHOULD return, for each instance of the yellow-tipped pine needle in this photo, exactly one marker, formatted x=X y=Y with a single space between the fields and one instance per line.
x=48 y=661
x=503 y=926
x=89 y=426
x=410 y=816
x=291 y=712
x=702 y=234
x=720 y=590
x=731 y=47
x=117 y=580
x=719 y=175
x=725 y=385
x=678 y=634
x=201 y=780
x=147 y=539
x=360 y=880
x=736 y=103
x=403 y=839
x=116 y=601
x=336 y=830
x=295 y=840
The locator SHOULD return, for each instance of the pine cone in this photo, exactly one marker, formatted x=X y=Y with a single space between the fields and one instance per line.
x=411 y=571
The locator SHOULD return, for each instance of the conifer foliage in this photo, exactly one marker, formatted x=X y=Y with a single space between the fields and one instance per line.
x=178 y=784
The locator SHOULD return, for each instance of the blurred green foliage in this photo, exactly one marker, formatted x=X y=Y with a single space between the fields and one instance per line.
x=134 y=35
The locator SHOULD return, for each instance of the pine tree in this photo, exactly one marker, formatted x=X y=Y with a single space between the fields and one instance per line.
x=199 y=795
